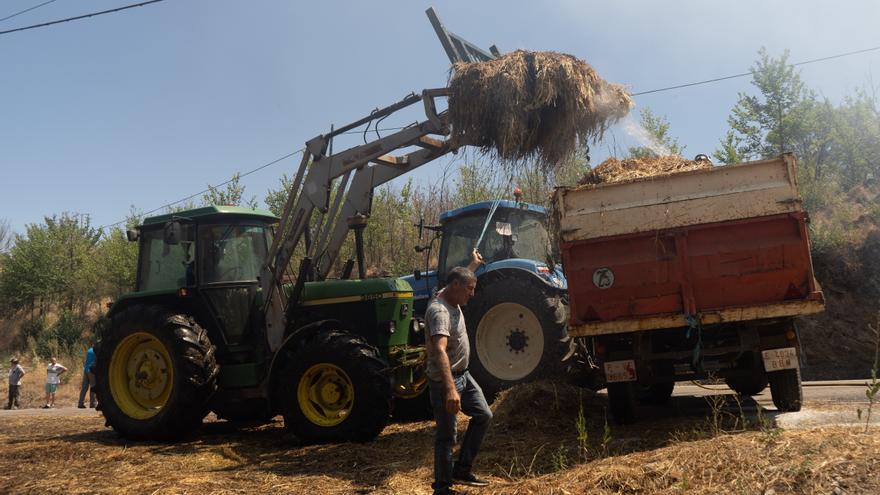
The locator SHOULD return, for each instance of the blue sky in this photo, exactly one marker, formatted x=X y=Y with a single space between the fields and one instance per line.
x=149 y=105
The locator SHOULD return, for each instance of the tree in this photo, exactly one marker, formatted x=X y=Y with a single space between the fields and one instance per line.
x=231 y=195
x=52 y=264
x=6 y=235
x=276 y=198
x=784 y=116
x=655 y=130
x=117 y=263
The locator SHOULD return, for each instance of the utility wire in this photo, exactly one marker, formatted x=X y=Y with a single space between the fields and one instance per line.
x=261 y=167
x=751 y=72
x=669 y=88
x=26 y=10
x=93 y=14
x=191 y=196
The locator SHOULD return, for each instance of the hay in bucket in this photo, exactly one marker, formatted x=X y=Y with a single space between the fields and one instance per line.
x=615 y=170
x=532 y=105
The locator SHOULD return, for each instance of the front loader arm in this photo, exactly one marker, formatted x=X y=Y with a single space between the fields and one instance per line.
x=372 y=164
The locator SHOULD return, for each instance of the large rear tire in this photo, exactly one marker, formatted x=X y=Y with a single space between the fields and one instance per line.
x=786 y=390
x=334 y=389
x=155 y=372
x=515 y=330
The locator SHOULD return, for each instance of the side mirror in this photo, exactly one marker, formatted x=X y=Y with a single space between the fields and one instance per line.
x=172 y=232
x=132 y=235
x=417 y=274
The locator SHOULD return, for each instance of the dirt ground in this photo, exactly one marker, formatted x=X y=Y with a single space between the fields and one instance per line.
x=535 y=447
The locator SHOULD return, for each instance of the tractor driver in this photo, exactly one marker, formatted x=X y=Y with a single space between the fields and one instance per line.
x=452 y=388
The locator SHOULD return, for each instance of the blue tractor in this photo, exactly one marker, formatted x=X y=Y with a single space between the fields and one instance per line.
x=516 y=320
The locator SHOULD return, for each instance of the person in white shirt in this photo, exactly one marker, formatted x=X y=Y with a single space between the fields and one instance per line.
x=15 y=374
x=53 y=378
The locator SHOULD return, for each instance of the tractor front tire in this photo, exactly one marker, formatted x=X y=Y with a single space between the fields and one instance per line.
x=334 y=388
x=515 y=333
x=414 y=402
x=156 y=371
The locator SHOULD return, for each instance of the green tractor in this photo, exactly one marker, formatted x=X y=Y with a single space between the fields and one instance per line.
x=221 y=321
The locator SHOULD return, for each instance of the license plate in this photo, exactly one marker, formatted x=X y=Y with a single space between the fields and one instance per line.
x=620 y=371
x=780 y=359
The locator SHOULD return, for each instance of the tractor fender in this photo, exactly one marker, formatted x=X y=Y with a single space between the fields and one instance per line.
x=292 y=341
x=527 y=276
x=557 y=301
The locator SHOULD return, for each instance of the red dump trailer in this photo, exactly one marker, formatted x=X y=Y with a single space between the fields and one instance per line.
x=689 y=276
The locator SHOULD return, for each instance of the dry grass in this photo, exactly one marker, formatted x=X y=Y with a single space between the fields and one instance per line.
x=615 y=170
x=670 y=455
x=526 y=105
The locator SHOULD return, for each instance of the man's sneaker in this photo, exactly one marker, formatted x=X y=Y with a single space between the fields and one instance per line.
x=81 y=406
x=47 y=406
x=467 y=478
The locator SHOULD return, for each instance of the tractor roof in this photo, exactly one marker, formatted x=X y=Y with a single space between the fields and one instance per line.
x=206 y=211
x=487 y=205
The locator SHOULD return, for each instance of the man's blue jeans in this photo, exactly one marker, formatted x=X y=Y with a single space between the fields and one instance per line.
x=473 y=404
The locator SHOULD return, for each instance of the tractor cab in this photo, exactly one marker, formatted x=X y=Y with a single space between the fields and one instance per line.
x=514 y=237
x=515 y=230
x=208 y=259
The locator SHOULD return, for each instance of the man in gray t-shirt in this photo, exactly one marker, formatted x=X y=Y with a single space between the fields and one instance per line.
x=452 y=388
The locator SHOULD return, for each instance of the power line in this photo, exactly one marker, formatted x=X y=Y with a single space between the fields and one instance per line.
x=26 y=10
x=191 y=196
x=751 y=72
x=679 y=86
x=93 y=14
x=261 y=167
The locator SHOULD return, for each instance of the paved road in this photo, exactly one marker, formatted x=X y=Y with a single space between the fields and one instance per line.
x=825 y=403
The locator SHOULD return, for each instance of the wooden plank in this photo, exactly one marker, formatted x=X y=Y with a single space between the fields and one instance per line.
x=728 y=315
x=722 y=193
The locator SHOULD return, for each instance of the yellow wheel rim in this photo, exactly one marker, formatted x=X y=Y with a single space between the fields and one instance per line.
x=325 y=394
x=141 y=375
x=414 y=389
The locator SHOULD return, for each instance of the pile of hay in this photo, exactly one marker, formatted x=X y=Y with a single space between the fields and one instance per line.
x=532 y=105
x=614 y=170
x=542 y=405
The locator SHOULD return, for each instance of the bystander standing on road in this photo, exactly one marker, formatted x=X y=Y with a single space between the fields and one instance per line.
x=53 y=378
x=16 y=372
x=88 y=380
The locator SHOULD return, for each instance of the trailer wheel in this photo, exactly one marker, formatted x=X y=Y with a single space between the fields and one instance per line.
x=656 y=394
x=155 y=372
x=786 y=390
x=515 y=331
x=622 y=402
x=334 y=389
x=747 y=386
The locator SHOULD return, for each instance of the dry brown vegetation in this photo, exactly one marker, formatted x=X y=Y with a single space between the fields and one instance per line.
x=616 y=170
x=532 y=448
x=527 y=104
